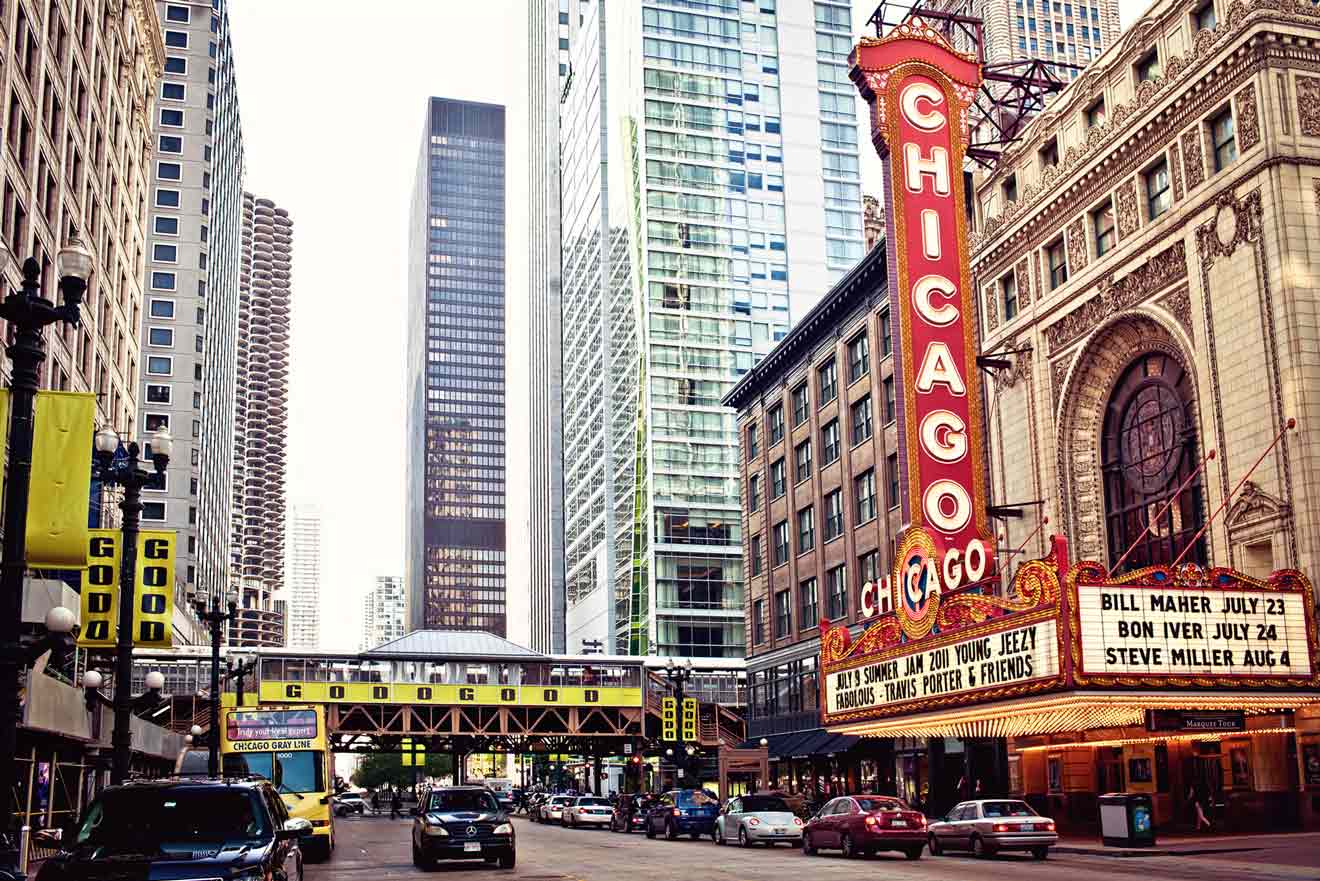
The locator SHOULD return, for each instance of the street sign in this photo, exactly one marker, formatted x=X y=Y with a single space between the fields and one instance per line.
x=668 y=719
x=414 y=753
x=689 y=719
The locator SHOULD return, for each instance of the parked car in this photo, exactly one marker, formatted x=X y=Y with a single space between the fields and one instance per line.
x=681 y=811
x=587 y=810
x=176 y=828
x=630 y=812
x=349 y=803
x=865 y=824
x=757 y=819
x=552 y=811
x=987 y=826
x=461 y=823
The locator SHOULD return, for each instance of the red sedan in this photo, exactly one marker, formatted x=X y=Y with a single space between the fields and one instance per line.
x=864 y=824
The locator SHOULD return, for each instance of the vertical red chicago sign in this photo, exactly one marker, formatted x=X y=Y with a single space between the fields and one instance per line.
x=919 y=89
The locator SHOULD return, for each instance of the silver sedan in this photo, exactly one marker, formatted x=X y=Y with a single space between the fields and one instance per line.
x=987 y=826
x=757 y=819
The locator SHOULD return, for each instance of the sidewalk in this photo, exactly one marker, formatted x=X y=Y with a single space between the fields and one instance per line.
x=1194 y=845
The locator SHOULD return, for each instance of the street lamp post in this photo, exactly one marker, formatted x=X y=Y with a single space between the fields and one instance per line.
x=28 y=314
x=678 y=675
x=216 y=618
x=129 y=474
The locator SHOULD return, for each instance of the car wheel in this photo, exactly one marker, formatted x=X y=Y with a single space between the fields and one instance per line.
x=717 y=834
x=979 y=850
x=508 y=860
x=671 y=831
x=650 y=830
x=743 y=841
x=1040 y=853
x=848 y=848
x=417 y=856
x=913 y=853
x=807 y=847
x=934 y=845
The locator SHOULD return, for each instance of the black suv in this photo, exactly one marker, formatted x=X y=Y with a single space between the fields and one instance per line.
x=461 y=823
x=180 y=829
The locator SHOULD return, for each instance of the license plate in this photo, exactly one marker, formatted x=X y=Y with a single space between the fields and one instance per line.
x=898 y=822
x=472 y=847
x=1028 y=827
x=780 y=831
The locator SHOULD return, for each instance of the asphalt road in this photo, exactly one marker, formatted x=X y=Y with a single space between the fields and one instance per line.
x=378 y=848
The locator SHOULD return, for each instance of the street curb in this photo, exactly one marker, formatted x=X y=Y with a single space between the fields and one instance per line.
x=1149 y=852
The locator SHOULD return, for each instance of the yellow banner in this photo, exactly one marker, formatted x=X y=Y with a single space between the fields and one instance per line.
x=100 y=590
x=448 y=695
x=153 y=607
x=61 y=480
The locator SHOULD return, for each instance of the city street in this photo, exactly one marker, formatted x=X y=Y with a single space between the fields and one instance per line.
x=378 y=848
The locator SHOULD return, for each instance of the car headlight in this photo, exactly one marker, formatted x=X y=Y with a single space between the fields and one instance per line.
x=438 y=831
x=504 y=829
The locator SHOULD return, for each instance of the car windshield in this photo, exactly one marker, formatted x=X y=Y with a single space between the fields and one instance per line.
x=594 y=801
x=763 y=804
x=299 y=771
x=695 y=798
x=559 y=800
x=462 y=800
x=1007 y=809
x=881 y=804
x=153 y=819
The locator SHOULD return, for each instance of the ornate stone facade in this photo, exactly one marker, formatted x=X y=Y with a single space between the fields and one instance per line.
x=1193 y=164
x=1308 y=105
x=1248 y=120
x=1129 y=215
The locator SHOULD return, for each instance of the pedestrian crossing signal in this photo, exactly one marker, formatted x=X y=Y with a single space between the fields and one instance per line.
x=689 y=719
x=669 y=719
x=414 y=753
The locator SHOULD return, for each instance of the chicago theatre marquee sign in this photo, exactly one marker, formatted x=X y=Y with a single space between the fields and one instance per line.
x=1066 y=641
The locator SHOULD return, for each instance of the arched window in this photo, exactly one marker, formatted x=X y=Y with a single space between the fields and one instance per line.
x=1148 y=451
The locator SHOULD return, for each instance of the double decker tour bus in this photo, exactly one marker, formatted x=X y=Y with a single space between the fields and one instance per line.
x=287 y=746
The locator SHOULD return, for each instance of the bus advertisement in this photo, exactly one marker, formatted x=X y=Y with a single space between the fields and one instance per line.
x=287 y=746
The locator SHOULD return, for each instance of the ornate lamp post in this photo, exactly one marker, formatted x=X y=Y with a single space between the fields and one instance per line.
x=132 y=476
x=215 y=618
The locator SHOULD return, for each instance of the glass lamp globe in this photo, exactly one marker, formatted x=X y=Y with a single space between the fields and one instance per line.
x=155 y=680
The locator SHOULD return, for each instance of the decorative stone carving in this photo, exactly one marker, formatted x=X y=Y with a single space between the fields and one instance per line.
x=1035 y=275
x=1160 y=271
x=992 y=307
x=1175 y=171
x=1011 y=376
x=1193 y=165
x=1179 y=305
x=1023 y=284
x=1308 y=105
x=1317 y=197
x=1058 y=375
x=1231 y=226
x=1077 y=253
x=1129 y=215
x=1254 y=506
x=1248 y=121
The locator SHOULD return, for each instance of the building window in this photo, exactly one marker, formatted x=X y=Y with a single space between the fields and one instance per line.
x=153 y=511
x=167 y=198
x=783 y=614
x=161 y=308
x=781 y=543
x=836 y=593
x=834 y=515
x=891 y=472
x=777 y=424
x=861 y=420
x=173 y=91
x=859 y=358
x=1159 y=196
x=891 y=403
x=1148 y=451
x=1102 y=221
x=175 y=64
x=177 y=13
x=158 y=394
x=1095 y=114
x=777 y=479
x=1148 y=68
x=1008 y=296
x=176 y=39
x=1049 y=153
x=754 y=493
x=160 y=365
x=753 y=442
x=171 y=144
x=167 y=226
x=801 y=407
x=1057 y=257
x=163 y=281
x=829 y=443
x=162 y=253
x=758 y=621
x=806 y=522
x=864 y=490
x=808 y=599
x=1009 y=189
x=828 y=375
x=868 y=568
x=1223 y=138
x=1204 y=18
x=802 y=458
x=886 y=336
x=754 y=551
x=160 y=336
x=171 y=117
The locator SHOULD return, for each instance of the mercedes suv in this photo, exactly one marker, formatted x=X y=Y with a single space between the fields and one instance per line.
x=461 y=823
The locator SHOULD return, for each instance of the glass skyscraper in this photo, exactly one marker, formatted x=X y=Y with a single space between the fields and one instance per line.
x=710 y=195
x=455 y=461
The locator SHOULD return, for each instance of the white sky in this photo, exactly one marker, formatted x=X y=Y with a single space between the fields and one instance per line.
x=332 y=96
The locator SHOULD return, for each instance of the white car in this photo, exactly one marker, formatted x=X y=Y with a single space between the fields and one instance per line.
x=987 y=826
x=757 y=819
x=553 y=810
x=588 y=810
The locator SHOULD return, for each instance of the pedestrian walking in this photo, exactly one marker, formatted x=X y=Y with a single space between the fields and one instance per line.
x=396 y=802
x=375 y=801
x=1199 y=798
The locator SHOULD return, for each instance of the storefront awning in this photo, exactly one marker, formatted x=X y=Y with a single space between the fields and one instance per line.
x=1069 y=711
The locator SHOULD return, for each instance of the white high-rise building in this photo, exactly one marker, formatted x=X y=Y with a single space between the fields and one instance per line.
x=384 y=608
x=710 y=195
x=302 y=578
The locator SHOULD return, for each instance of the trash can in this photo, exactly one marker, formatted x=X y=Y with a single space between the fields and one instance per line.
x=1127 y=819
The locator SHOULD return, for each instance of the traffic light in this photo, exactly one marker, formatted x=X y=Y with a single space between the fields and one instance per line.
x=689 y=719
x=668 y=719
x=414 y=753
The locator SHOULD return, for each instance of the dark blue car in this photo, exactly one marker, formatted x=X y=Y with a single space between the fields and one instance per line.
x=682 y=812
